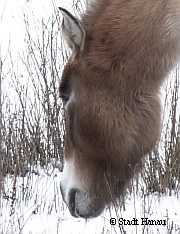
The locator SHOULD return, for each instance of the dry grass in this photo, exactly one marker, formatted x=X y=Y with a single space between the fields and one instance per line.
x=32 y=122
x=162 y=168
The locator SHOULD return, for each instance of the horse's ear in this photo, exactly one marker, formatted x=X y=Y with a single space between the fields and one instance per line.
x=73 y=31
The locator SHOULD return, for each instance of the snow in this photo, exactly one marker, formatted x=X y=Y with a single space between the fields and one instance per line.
x=33 y=204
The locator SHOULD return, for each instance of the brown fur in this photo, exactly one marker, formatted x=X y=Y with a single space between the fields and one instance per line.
x=114 y=119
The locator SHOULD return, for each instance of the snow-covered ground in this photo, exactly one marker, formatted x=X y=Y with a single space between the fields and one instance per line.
x=33 y=205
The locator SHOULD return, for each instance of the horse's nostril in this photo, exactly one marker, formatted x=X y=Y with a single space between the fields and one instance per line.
x=80 y=205
x=72 y=202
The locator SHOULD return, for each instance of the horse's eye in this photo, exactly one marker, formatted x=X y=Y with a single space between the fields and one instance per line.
x=65 y=98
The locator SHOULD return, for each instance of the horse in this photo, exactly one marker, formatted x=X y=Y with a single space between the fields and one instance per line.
x=121 y=52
